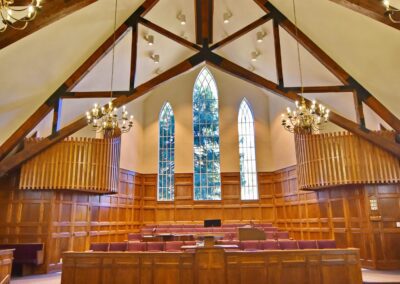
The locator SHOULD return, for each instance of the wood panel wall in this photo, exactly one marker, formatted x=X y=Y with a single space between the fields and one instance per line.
x=76 y=163
x=210 y=265
x=71 y=220
x=341 y=158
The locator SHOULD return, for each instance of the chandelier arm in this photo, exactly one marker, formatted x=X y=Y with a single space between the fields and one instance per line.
x=392 y=19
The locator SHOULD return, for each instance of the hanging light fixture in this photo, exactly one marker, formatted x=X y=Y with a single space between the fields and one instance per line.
x=391 y=12
x=106 y=119
x=305 y=119
x=17 y=17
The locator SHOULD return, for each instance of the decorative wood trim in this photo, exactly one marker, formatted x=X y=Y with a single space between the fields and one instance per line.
x=264 y=19
x=373 y=9
x=51 y=11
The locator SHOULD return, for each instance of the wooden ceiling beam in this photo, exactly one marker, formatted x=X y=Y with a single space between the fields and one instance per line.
x=264 y=19
x=244 y=74
x=10 y=163
x=93 y=95
x=373 y=9
x=319 y=89
x=204 y=22
x=278 y=53
x=48 y=105
x=169 y=35
x=51 y=11
x=332 y=66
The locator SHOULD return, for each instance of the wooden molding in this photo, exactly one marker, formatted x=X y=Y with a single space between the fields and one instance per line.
x=30 y=151
x=51 y=11
x=373 y=9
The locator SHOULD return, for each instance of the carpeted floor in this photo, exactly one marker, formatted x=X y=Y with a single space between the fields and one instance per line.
x=369 y=276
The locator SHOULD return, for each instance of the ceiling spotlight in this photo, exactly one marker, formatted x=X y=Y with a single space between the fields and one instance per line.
x=254 y=55
x=158 y=71
x=260 y=36
x=227 y=16
x=182 y=18
x=149 y=39
x=156 y=58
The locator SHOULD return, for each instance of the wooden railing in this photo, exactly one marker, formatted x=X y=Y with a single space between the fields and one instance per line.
x=81 y=164
x=213 y=266
x=342 y=158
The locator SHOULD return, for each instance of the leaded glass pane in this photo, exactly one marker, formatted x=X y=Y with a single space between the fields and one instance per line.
x=207 y=176
x=166 y=154
x=247 y=153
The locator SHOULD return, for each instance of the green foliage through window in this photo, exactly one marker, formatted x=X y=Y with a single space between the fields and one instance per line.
x=207 y=178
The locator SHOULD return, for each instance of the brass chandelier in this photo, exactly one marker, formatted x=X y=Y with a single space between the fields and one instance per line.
x=11 y=15
x=306 y=118
x=106 y=119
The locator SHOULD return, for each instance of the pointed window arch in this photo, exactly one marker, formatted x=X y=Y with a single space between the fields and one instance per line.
x=166 y=154
x=207 y=178
x=247 y=152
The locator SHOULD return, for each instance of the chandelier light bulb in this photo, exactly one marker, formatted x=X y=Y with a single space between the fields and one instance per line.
x=386 y=3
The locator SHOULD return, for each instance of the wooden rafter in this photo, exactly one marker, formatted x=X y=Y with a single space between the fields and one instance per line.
x=278 y=55
x=48 y=105
x=55 y=126
x=242 y=31
x=242 y=73
x=332 y=66
x=319 y=89
x=169 y=35
x=373 y=9
x=204 y=21
x=52 y=11
x=359 y=109
x=30 y=151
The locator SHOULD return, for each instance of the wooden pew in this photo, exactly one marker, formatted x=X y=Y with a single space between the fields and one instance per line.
x=6 y=258
x=213 y=265
x=26 y=256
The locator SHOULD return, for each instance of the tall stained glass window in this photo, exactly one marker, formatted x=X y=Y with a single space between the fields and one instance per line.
x=207 y=179
x=247 y=153
x=166 y=154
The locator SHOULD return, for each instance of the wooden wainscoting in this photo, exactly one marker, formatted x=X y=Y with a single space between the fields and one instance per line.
x=210 y=265
x=231 y=209
x=76 y=163
x=334 y=159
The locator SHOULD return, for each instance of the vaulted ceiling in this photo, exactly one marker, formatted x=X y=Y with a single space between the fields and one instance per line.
x=71 y=58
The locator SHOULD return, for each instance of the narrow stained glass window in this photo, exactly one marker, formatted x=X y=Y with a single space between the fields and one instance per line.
x=207 y=178
x=166 y=154
x=247 y=153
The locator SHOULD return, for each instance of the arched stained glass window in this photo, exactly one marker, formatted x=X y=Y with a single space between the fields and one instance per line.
x=207 y=179
x=166 y=154
x=247 y=153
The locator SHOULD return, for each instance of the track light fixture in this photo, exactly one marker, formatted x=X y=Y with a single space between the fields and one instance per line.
x=227 y=16
x=156 y=58
x=254 y=55
x=261 y=35
x=391 y=12
x=149 y=39
x=182 y=18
